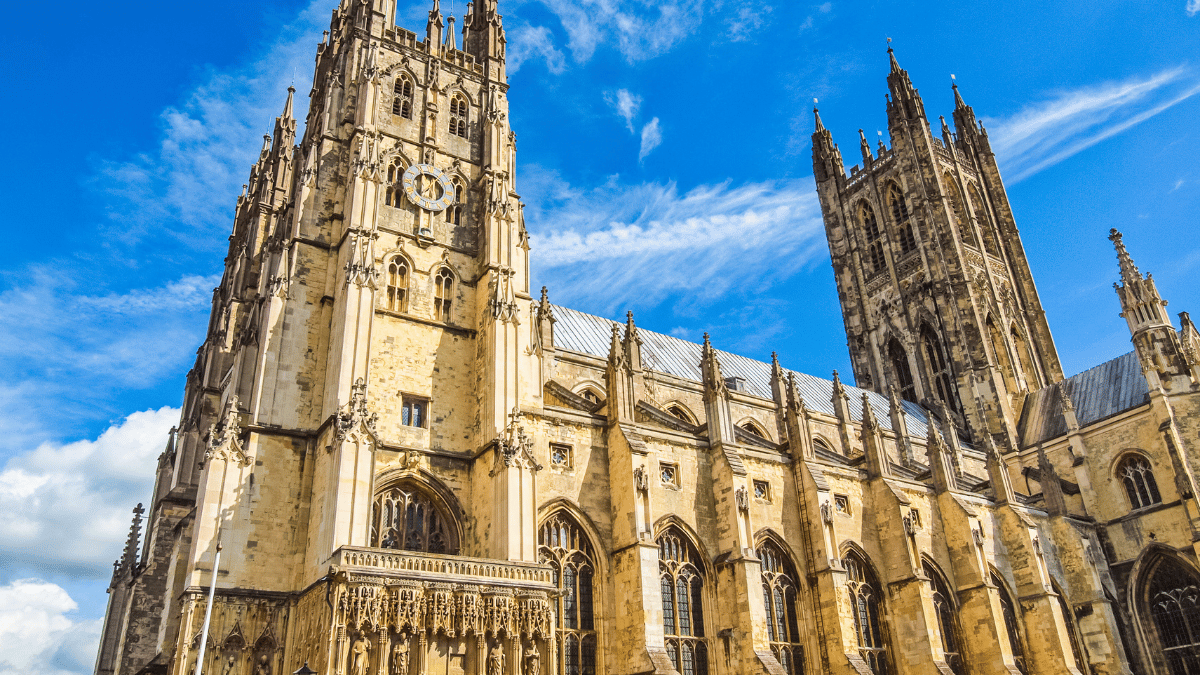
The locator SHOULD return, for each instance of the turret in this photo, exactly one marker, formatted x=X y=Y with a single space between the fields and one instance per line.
x=827 y=159
x=483 y=31
x=905 y=102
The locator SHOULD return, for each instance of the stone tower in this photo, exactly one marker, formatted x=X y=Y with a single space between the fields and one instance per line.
x=936 y=291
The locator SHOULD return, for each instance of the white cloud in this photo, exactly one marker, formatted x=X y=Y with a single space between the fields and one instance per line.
x=747 y=21
x=38 y=633
x=527 y=42
x=1193 y=7
x=626 y=104
x=651 y=138
x=186 y=188
x=640 y=29
x=1044 y=134
x=68 y=507
x=618 y=244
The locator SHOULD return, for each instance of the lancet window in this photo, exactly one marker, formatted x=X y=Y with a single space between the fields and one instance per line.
x=1069 y=620
x=866 y=598
x=458 y=116
x=939 y=369
x=454 y=213
x=752 y=429
x=392 y=195
x=1174 y=598
x=904 y=379
x=781 y=599
x=397 y=284
x=900 y=215
x=947 y=616
x=1000 y=349
x=682 y=580
x=406 y=518
x=402 y=94
x=443 y=293
x=873 y=255
x=1025 y=357
x=678 y=412
x=1135 y=473
x=1011 y=625
x=985 y=224
x=565 y=547
x=960 y=211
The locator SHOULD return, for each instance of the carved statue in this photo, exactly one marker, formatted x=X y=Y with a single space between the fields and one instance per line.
x=496 y=663
x=741 y=499
x=263 y=667
x=533 y=663
x=360 y=656
x=230 y=665
x=400 y=656
x=826 y=512
x=640 y=479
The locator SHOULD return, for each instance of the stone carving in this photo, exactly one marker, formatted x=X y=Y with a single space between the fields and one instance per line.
x=978 y=535
x=496 y=663
x=356 y=417
x=640 y=479
x=514 y=448
x=826 y=513
x=360 y=269
x=741 y=499
x=224 y=439
x=360 y=655
x=533 y=663
x=400 y=655
x=230 y=665
x=263 y=667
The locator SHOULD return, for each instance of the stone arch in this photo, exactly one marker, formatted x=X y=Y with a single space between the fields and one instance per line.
x=753 y=426
x=567 y=543
x=671 y=520
x=595 y=389
x=1158 y=563
x=684 y=413
x=868 y=601
x=945 y=602
x=1000 y=352
x=429 y=489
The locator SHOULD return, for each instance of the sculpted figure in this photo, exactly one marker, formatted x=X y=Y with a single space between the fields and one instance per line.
x=230 y=665
x=360 y=656
x=496 y=663
x=400 y=656
x=533 y=663
x=263 y=667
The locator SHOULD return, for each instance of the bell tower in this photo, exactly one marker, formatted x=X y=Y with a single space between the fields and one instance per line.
x=937 y=296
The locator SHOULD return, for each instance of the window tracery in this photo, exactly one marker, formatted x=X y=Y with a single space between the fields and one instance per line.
x=443 y=293
x=564 y=546
x=678 y=412
x=947 y=616
x=402 y=94
x=454 y=213
x=1174 y=598
x=900 y=215
x=404 y=517
x=458 y=116
x=985 y=224
x=397 y=284
x=960 y=211
x=682 y=587
x=752 y=428
x=873 y=257
x=866 y=599
x=1011 y=626
x=904 y=379
x=1138 y=478
x=781 y=599
x=939 y=369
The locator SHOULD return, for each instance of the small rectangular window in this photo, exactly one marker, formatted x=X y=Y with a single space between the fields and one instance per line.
x=669 y=474
x=413 y=412
x=841 y=504
x=560 y=456
x=762 y=491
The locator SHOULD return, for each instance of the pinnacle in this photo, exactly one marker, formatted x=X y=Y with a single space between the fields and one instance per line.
x=1129 y=270
x=817 y=115
x=959 y=104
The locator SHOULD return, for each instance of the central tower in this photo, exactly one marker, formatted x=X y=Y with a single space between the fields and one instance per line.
x=936 y=292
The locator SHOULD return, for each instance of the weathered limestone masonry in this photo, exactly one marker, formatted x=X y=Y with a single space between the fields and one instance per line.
x=413 y=465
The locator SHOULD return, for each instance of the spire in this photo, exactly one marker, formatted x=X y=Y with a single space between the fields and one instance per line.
x=817 y=115
x=129 y=557
x=959 y=104
x=1141 y=304
x=866 y=149
x=892 y=57
x=827 y=159
x=1129 y=271
x=433 y=28
x=287 y=107
x=905 y=103
x=964 y=115
x=483 y=30
x=451 y=38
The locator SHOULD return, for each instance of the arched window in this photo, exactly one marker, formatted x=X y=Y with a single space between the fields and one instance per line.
x=1069 y=620
x=590 y=395
x=819 y=445
x=397 y=284
x=866 y=598
x=1135 y=473
x=781 y=598
x=1011 y=626
x=939 y=369
x=682 y=579
x=564 y=546
x=985 y=223
x=900 y=215
x=405 y=517
x=392 y=196
x=454 y=212
x=904 y=379
x=402 y=97
x=677 y=411
x=1173 y=595
x=1000 y=349
x=960 y=211
x=458 y=116
x=753 y=429
x=873 y=257
x=443 y=292
x=947 y=616
x=1025 y=357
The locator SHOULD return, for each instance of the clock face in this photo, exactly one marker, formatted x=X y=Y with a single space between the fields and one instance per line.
x=428 y=187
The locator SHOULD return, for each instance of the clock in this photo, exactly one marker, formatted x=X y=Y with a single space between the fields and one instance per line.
x=428 y=187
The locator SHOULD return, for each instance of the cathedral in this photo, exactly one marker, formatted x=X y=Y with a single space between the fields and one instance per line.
x=396 y=456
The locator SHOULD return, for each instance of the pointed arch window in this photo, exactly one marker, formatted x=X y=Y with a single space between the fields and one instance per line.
x=1173 y=595
x=402 y=94
x=1072 y=634
x=947 y=617
x=873 y=258
x=392 y=195
x=565 y=546
x=677 y=411
x=781 y=599
x=404 y=517
x=454 y=213
x=939 y=369
x=458 y=115
x=960 y=211
x=866 y=598
x=985 y=223
x=682 y=586
x=1000 y=350
x=443 y=293
x=754 y=430
x=903 y=372
x=900 y=216
x=1011 y=626
x=1025 y=357
x=1138 y=478
x=397 y=284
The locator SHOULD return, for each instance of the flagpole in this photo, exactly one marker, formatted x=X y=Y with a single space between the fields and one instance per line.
x=212 y=591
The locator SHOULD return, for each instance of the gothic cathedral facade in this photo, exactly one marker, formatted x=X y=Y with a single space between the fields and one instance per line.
x=395 y=458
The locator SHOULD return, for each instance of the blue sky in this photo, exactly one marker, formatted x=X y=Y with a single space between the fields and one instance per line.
x=663 y=156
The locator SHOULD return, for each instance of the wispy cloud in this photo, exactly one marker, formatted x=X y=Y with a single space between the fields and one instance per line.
x=620 y=244
x=531 y=42
x=626 y=104
x=39 y=632
x=747 y=21
x=1046 y=133
x=208 y=143
x=639 y=29
x=651 y=138
x=67 y=507
x=1193 y=7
